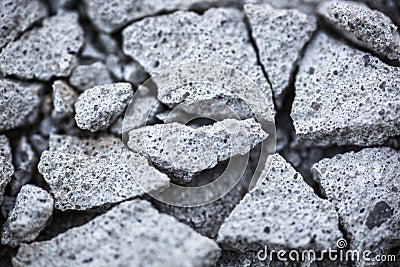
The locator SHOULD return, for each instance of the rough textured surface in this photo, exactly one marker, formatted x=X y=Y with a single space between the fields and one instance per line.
x=217 y=36
x=63 y=99
x=87 y=76
x=32 y=208
x=345 y=96
x=44 y=52
x=280 y=36
x=132 y=233
x=86 y=173
x=25 y=161
x=98 y=107
x=363 y=26
x=19 y=103
x=282 y=212
x=186 y=151
x=6 y=167
x=18 y=15
x=364 y=187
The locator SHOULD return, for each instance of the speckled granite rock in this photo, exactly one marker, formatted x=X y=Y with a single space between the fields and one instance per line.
x=98 y=107
x=363 y=26
x=6 y=167
x=19 y=103
x=32 y=208
x=87 y=76
x=44 y=52
x=345 y=96
x=185 y=151
x=64 y=97
x=283 y=212
x=16 y=16
x=280 y=35
x=132 y=233
x=364 y=187
x=86 y=173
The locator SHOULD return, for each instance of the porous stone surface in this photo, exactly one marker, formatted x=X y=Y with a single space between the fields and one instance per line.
x=87 y=76
x=185 y=151
x=16 y=16
x=283 y=212
x=64 y=97
x=44 y=52
x=364 y=187
x=85 y=173
x=280 y=35
x=136 y=231
x=363 y=26
x=98 y=107
x=25 y=161
x=19 y=103
x=6 y=167
x=345 y=96
x=217 y=36
x=32 y=209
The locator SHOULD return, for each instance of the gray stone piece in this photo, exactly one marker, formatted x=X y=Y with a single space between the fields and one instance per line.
x=134 y=73
x=364 y=187
x=98 y=107
x=185 y=151
x=363 y=26
x=87 y=76
x=345 y=96
x=6 y=167
x=283 y=212
x=32 y=209
x=218 y=36
x=115 y=66
x=131 y=234
x=25 y=160
x=64 y=97
x=19 y=103
x=7 y=205
x=280 y=35
x=86 y=173
x=16 y=16
x=44 y=52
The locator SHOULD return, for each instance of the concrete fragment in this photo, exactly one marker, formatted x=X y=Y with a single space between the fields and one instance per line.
x=86 y=173
x=32 y=209
x=25 y=160
x=345 y=96
x=109 y=44
x=364 y=187
x=217 y=36
x=98 y=107
x=44 y=52
x=185 y=151
x=87 y=76
x=6 y=167
x=115 y=66
x=19 y=103
x=16 y=16
x=280 y=36
x=363 y=26
x=91 y=52
x=134 y=73
x=64 y=97
x=132 y=233
x=283 y=212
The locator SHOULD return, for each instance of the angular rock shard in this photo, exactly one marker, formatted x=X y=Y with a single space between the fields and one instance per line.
x=363 y=26
x=86 y=173
x=130 y=234
x=185 y=151
x=217 y=36
x=32 y=209
x=364 y=187
x=19 y=103
x=345 y=96
x=18 y=15
x=6 y=167
x=280 y=36
x=98 y=107
x=63 y=99
x=87 y=76
x=44 y=52
x=283 y=212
